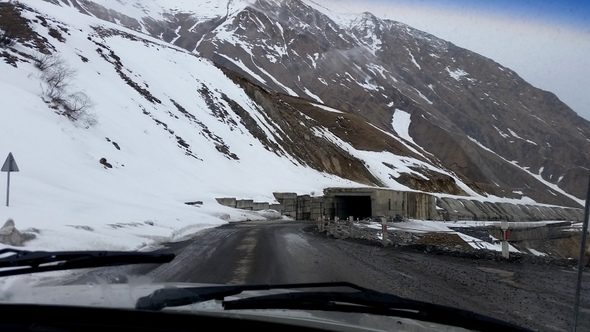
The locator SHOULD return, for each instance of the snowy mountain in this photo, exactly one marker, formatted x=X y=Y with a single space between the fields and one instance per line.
x=514 y=139
x=166 y=102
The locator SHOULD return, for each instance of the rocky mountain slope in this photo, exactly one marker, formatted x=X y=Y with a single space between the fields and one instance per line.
x=362 y=98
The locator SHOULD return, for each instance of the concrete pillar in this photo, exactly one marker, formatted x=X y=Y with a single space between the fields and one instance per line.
x=505 y=247
x=317 y=207
x=384 y=231
x=289 y=203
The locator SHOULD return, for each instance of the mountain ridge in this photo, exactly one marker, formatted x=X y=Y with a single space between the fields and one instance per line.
x=466 y=114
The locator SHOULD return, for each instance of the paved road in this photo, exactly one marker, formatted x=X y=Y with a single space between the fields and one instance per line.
x=534 y=296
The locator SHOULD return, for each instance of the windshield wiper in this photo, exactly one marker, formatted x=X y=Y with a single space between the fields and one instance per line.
x=22 y=261
x=357 y=299
x=176 y=297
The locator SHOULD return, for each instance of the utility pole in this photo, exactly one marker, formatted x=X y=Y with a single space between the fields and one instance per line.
x=581 y=259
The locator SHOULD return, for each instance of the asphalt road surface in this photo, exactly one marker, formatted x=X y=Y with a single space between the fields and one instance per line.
x=530 y=295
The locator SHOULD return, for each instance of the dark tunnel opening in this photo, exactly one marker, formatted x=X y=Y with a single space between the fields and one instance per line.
x=355 y=206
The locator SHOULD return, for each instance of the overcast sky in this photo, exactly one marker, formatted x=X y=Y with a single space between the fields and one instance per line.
x=546 y=42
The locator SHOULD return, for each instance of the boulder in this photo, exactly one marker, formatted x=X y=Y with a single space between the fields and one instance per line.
x=12 y=236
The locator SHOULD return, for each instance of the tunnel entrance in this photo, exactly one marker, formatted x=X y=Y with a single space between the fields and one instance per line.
x=355 y=206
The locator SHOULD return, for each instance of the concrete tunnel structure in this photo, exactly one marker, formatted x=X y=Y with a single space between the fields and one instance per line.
x=359 y=203
x=370 y=202
x=365 y=203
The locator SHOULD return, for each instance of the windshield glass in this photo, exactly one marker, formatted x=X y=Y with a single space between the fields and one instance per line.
x=435 y=151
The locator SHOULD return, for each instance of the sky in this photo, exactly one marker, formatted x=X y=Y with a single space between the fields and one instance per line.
x=545 y=42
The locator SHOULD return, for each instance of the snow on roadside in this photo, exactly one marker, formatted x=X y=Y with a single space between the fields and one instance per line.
x=536 y=252
x=480 y=244
x=430 y=226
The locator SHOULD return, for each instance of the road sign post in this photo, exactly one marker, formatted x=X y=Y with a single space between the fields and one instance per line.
x=8 y=189
x=505 y=247
x=9 y=166
x=384 y=231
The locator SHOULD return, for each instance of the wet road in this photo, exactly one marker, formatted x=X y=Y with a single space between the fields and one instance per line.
x=535 y=296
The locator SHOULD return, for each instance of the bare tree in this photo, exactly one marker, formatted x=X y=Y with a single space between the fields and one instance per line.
x=44 y=61
x=57 y=76
x=76 y=105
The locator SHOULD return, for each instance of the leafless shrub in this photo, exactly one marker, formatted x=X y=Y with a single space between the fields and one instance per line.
x=44 y=61
x=76 y=105
x=56 y=76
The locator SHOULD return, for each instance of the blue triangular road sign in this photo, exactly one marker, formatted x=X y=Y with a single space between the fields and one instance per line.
x=9 y=164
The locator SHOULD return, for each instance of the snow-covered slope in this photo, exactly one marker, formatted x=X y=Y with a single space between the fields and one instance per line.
x=371 y=66
x=158 y=126
x=166 y=146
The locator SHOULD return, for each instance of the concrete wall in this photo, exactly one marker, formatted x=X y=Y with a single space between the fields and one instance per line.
x=244 y=204
x=464 y=209
x=258 y=206
x=386 y=202
x=303 y=208
x=248 y=204
x=289 y=203
x=391 y=204
x=227 y=201
x=421 y=206
x=276 y=207
x=317 y=208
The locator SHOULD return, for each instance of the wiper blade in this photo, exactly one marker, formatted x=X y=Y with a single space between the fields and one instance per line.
x=23 y=262
x=373 y=302
x=175 y=297
x=357 y=300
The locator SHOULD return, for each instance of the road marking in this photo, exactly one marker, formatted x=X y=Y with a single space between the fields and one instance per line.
x=246 y=251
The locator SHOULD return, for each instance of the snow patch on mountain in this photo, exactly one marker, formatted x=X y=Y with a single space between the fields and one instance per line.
x=387 y=166
x=421 y=95
x=456 y=74
x=327 y=108
x=539 y=178
x=400 y=122
x=413 y=59
x=312 y=95
x=156 y=9
x=517 y=136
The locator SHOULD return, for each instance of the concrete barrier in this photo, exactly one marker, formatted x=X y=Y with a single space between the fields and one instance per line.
x=244 y=204
x=258 y=206
x=276 y=207
x=288 y=201
x=413 y=205
x=465 y=209
x=227 y=201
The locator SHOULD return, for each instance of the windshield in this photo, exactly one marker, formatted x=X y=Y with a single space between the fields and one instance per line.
x=435 y=151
